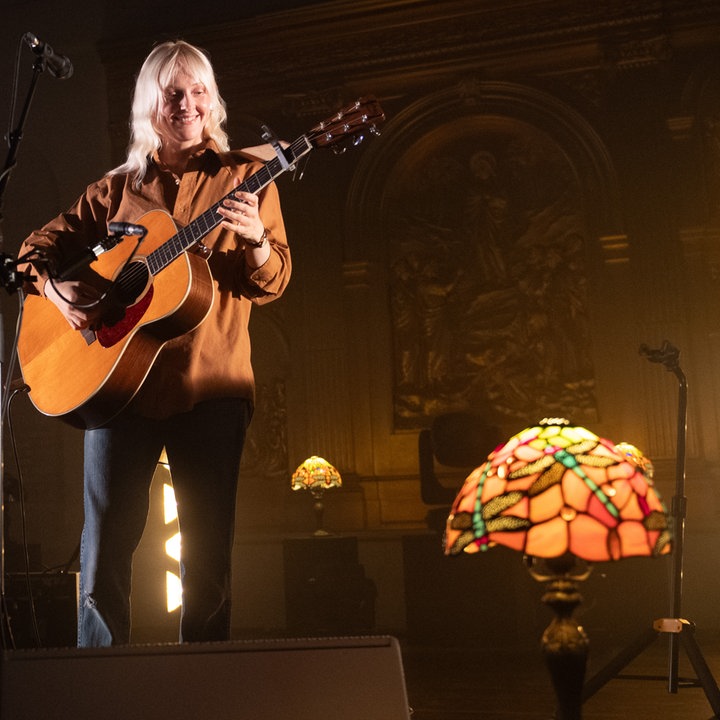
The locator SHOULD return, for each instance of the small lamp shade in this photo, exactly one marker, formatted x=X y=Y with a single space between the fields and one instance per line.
x=557 y=488
x=316 y=475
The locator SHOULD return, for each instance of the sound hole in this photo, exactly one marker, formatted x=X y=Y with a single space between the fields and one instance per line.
x=131 y=282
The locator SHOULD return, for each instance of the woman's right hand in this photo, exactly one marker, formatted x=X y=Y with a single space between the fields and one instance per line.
x=67 y=295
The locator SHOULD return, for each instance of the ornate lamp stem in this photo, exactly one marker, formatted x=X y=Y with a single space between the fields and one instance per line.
x=564 y=642
x=319 y=508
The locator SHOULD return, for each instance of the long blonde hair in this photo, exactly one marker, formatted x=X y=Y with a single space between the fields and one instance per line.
x=156 y=74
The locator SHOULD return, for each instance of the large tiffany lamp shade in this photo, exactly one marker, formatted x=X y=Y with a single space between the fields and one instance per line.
x=563 y=497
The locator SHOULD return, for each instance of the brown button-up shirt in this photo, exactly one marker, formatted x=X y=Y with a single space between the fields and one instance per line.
x=213 y=360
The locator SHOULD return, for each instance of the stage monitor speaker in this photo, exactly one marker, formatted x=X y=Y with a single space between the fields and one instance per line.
x=356 y=678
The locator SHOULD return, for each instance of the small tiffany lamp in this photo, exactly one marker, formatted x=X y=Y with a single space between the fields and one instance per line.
x=564 y=497
x=316 y=475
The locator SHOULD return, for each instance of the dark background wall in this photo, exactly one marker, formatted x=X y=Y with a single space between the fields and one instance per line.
x=543 y=200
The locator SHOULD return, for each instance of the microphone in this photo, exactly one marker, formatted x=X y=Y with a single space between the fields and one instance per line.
x=58 y=65
x=668 y=354
x=123 y=228
x=90 y=254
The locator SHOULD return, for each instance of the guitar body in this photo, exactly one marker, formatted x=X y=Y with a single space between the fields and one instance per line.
x=85 y=379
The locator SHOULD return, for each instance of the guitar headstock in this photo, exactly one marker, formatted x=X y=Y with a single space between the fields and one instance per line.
x=349 y=125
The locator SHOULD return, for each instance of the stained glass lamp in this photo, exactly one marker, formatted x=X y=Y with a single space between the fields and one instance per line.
x=565 y=498
x=316 y=475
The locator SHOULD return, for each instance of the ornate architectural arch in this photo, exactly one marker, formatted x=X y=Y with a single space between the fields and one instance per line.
x=484 y=205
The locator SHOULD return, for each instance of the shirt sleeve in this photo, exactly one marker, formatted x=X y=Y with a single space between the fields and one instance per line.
x=271 y=278
x=66 y=236
x=267 y=282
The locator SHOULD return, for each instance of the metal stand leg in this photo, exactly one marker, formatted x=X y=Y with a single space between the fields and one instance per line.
x=680 y=632
x=705 y=677
x=619 y=663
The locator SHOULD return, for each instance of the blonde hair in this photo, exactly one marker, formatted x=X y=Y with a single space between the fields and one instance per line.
x=157 y=72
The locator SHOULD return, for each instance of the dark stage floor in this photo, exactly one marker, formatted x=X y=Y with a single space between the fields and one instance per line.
x=470 y=684
x=441 y=682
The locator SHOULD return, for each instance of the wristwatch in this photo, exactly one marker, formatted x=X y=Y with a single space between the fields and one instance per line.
x=260 y=242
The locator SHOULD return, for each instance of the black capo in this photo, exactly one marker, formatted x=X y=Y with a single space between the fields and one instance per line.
x=270 y=137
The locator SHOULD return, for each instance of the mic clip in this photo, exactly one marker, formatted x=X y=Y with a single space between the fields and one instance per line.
x=667 y=355
x=107 y=243
x=10 y=277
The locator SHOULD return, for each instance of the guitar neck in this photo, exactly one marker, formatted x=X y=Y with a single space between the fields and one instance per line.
x=196 y=230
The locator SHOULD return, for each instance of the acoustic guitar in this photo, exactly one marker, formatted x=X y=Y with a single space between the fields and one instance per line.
x=86 y=377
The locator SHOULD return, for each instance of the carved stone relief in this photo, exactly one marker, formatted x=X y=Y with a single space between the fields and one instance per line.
x=265 y=454
x=709 y=127
x=488 y=279
x=490 y=223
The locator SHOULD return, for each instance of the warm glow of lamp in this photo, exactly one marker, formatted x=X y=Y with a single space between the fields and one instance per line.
x=564 y=497
x=316 y=475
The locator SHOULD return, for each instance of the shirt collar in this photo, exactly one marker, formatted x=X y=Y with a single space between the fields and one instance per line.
x=210 y=148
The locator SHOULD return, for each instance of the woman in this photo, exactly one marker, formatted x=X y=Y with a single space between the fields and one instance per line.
x=197 y=399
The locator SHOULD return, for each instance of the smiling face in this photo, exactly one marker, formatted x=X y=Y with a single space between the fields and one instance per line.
x=184 y=112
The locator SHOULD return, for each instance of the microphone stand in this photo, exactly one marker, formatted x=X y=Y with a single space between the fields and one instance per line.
x=12 y=281
x=679 y=630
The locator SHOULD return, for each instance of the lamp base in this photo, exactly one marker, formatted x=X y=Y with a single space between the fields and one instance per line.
x=319 y=510
x=565 y=644
x=565 y=647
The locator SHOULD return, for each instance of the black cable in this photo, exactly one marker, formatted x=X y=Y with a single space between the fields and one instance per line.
x=23 y=520
x=7 y=639
x=110 y=288
x=13 y=92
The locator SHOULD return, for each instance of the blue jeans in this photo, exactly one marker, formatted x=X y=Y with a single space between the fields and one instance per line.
x=203 y=448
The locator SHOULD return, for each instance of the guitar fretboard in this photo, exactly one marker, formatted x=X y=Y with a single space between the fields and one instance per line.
x=192 y=233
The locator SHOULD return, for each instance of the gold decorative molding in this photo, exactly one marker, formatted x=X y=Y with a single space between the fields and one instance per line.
x=304 y=59
x=701 y=247
x=357 y=274
x=638 y=52
x=681 y=127
x=614 y=249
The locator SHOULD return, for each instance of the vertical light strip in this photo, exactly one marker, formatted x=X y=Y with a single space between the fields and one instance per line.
x=172 y=550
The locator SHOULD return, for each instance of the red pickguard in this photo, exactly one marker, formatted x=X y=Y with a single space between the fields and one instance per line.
x=109 y=336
